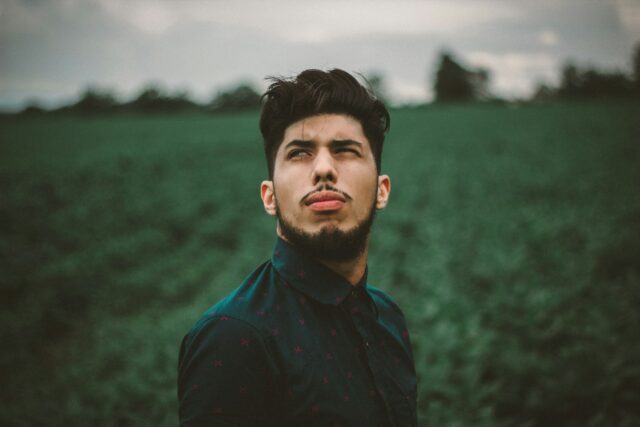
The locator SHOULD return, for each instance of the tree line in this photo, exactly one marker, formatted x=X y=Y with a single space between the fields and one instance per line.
x=452 y=82
x=154 y=99
x=455 y=83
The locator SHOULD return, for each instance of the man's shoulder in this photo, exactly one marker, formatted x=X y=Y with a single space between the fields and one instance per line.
x=391 y=317
x=227 y=335
x=244 y=306
x=382 y=299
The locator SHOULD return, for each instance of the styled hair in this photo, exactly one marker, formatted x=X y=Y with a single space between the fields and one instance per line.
x=314 y=92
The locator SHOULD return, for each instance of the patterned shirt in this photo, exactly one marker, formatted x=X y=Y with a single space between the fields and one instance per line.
x=297 y=345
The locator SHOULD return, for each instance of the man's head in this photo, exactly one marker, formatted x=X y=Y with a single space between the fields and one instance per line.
x=323 y=135
x=315 y=92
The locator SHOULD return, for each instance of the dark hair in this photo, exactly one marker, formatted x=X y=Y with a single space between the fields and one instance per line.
x=314 y=92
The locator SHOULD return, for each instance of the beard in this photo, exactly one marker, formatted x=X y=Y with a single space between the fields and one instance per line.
x=330 y=243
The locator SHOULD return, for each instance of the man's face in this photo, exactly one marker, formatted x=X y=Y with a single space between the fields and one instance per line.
x=325 y=183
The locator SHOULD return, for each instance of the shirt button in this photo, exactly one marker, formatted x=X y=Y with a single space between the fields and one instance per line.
x=366 y=344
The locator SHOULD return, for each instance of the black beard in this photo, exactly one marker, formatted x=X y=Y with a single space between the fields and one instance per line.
x=330 y=243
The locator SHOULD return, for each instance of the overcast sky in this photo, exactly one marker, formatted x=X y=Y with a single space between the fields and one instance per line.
x=51 y=49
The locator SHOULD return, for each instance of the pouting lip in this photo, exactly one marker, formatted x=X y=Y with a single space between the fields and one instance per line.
x=323 y=196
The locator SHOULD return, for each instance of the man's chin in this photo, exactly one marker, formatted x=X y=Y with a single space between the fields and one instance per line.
x=330 y=242
x=329 y=229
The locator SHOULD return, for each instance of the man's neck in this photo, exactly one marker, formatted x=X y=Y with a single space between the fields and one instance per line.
x=352 y=270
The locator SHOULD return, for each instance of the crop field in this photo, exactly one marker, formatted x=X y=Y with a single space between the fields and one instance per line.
x=511 y=241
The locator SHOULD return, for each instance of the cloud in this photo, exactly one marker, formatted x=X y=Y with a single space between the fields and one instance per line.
x=316 y=22
x=547 y=37
x=409 y=93
x=629 y=14
x=54 y=48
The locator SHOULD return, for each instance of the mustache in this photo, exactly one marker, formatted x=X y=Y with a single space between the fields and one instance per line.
x=326 y=187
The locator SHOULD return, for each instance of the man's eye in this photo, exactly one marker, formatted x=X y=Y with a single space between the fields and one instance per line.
x=347 y=150
x=297 y=154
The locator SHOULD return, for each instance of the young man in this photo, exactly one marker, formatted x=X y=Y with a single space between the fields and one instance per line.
x=305 y=340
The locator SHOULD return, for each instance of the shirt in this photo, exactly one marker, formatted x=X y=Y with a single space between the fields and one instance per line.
x=297 y=345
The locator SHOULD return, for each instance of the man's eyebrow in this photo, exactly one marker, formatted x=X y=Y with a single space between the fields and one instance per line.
x=345 y=143
x=299 y=143
x=336 y=143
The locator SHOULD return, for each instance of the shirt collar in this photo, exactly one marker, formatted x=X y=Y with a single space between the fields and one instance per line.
x=310 y=276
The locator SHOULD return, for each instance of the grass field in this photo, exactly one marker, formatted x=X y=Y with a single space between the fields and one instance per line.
x=512 y=242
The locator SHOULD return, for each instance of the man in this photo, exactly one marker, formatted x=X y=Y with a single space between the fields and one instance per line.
x=305 y=341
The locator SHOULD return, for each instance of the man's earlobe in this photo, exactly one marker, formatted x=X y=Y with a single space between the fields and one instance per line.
x=268 y=197
x=384 y=189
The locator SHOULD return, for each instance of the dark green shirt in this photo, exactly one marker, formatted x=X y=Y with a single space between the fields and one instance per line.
x=297 y=345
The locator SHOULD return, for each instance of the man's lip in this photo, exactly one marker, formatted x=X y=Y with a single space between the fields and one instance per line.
x=325 y=196
x=326 y=205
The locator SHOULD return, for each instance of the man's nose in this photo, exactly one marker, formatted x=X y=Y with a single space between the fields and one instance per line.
x=324 y=168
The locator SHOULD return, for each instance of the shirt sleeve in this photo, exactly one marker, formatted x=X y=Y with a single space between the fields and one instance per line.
x=226 y=376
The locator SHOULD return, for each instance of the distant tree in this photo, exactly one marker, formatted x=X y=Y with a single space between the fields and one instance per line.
x=148 y=96
x=636 y=67
x=95 y=100
x=543 y=93
x=453 y=82
x=33 y=108
x=593 y=83
x=570 y=81
x=597 y=83
x=240 y=97
x=152 y=98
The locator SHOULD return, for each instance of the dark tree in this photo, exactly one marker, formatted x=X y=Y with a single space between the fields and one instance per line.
x=593 y=83
x=570 y=81
x=543 y=93
x=241 y=97
x=153 y=99
x=455 y=83
x=148 y=96
x=636 y=67
x=599 y=84
x=94 y=100
x=33 y=107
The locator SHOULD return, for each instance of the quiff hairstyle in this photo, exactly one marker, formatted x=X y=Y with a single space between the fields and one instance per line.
x=314 y=92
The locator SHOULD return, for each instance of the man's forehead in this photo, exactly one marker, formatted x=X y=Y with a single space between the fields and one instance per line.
x=325 y=128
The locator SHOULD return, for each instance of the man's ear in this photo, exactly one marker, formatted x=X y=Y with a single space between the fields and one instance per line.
x=384 y=189
x=268 y=197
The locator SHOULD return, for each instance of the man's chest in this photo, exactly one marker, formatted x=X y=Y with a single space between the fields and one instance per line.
x=341 y=367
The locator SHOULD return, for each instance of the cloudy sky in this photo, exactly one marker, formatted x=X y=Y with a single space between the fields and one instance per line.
x=51 y=49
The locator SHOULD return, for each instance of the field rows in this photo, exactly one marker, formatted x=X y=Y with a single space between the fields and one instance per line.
x=509 y=241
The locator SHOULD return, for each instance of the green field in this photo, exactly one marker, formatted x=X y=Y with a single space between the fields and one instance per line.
x=511 y=241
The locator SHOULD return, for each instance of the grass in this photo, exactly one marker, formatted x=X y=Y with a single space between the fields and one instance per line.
x=510 y=242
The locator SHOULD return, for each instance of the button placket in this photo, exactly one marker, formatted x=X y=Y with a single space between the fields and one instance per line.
x=361 y=321
x=364 y=320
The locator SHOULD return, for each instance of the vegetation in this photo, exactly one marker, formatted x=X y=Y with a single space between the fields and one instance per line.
x=241 y=97
x=510 y=242
x=153 y=99
x=578 y=83
x=591 y=83
x=453 y=82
